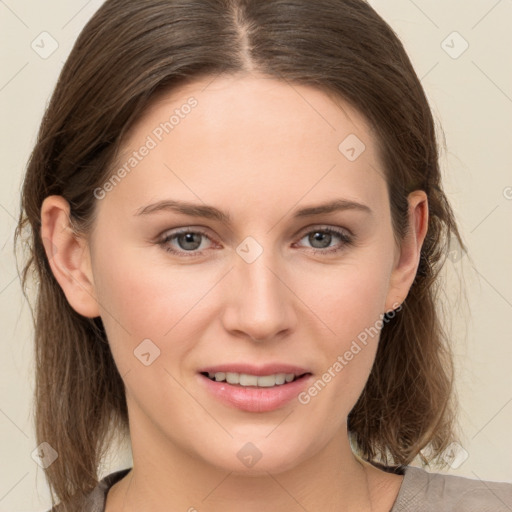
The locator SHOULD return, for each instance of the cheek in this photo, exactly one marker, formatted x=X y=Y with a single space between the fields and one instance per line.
x=350 y=296
x=349 y=301
x=142 y=299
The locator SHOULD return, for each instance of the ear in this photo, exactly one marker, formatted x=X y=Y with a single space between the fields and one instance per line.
x=68 y=255
x=408 y=258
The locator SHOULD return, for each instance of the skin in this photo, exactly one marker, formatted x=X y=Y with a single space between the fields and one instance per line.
x=258 y=149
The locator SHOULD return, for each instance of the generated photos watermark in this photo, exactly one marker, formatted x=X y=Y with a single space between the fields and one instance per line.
x=343 y=360
x=151 y=142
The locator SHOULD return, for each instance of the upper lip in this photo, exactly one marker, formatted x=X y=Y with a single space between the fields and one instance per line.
x=251 y=369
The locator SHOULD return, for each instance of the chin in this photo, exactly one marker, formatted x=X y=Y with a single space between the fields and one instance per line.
x=260 y=456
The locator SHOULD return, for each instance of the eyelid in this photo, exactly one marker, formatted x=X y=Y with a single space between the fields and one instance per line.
x=171 y=233
x=321 y=227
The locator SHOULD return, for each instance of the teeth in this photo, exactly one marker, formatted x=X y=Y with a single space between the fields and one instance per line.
x=267 y=381
x=280 y=378
x=232 y=378
x=244 y=379
x=248 y=380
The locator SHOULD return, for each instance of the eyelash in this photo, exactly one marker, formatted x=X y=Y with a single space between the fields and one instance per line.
x=346 y=239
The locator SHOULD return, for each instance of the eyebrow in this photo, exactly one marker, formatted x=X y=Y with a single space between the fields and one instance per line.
x=210 y=212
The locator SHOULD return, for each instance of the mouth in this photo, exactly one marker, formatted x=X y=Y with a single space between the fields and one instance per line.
x=254 y=389
x=248 y=380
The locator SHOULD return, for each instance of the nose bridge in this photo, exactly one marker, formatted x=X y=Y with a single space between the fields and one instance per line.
x=261 y=306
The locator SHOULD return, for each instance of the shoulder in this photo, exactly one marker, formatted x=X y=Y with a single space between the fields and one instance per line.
x=95 y=501
x=422 y=491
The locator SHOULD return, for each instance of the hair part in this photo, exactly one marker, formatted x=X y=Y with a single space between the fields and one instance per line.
x=128 y=53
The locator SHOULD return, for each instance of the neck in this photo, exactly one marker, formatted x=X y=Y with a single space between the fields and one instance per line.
x=168 y=478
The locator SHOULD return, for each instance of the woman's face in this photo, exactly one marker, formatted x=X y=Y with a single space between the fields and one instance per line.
x=285 y=263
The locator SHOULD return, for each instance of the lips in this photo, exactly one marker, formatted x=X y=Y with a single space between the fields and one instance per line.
x=254 y=388
x=267 y=369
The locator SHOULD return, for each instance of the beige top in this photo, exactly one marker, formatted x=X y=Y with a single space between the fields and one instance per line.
x=420 y=492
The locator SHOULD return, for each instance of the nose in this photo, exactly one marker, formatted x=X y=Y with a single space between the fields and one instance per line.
x=260 y=304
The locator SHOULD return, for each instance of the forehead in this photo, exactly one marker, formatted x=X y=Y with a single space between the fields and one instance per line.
x=258 y=137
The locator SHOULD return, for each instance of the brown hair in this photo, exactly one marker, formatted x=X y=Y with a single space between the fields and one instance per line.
x=130 y=51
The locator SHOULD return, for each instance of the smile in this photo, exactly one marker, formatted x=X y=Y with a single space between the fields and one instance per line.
x=254 y=388
x=245 y=379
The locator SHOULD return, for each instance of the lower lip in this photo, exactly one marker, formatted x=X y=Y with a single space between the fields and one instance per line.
x=254 y=399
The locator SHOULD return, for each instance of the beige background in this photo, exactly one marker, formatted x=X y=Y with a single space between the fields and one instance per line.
x=471 y=95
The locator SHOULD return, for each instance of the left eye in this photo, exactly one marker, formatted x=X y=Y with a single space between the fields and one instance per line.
x=323 y=238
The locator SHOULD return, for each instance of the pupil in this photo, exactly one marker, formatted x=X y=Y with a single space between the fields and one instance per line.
x=324 y=238
x=189 y=239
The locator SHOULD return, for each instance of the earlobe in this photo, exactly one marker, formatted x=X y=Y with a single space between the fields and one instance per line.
x=406 y=267
x=68 y=256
